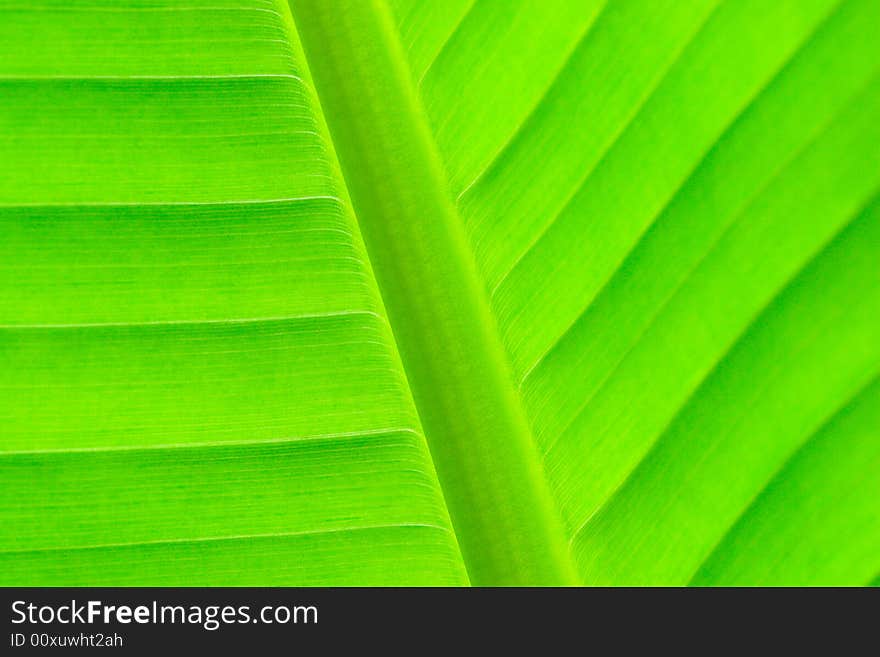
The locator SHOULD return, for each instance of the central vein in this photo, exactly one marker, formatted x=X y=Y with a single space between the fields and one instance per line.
x=493 y=481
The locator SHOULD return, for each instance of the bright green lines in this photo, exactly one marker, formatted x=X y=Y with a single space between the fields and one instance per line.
x=498 y=499
x=178 y=384
x=371 y=556
x=149 y=38
x=761 y=251
x=740 y=167
x=501 y=54
x=604 y=83
x=640 y=224
x=629 y=252
x=734 y=434
x=791 y=545
x=75 y=264
x=425 y=28
x=114 y=141
x=198 y=384
x=735 y=55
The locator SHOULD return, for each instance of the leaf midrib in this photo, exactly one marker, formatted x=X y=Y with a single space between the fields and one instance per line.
x=489 y=469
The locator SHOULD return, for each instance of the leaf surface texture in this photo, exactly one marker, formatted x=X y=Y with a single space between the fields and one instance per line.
x=591 y=294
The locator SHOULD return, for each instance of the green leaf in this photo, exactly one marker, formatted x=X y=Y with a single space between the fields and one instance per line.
x=199 y=384
x=664 y=220
x=618 y=283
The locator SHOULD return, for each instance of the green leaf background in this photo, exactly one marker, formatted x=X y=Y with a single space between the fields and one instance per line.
x=416 y=292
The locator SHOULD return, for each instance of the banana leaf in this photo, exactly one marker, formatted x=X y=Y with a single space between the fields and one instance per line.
x=407 y=292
